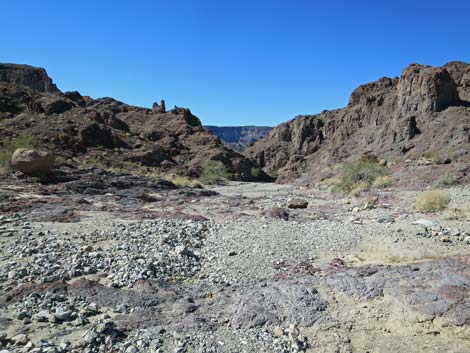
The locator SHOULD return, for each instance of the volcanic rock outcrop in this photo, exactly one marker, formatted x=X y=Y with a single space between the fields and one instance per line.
x=33 y=77
x=426 y=109
x=111 y=132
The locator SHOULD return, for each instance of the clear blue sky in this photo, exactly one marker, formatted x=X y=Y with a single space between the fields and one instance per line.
x=232 y=62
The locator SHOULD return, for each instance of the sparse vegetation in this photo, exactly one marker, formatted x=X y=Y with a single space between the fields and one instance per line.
x=358 y=188
x=255 y=172
x=382 y=182
x=180 y=180
x=8 y=145
x=274 y=174
x=432 y=201
x=435 y=157
x=360 y=175
x=137 y=169
x=214 y=172
x=445 y=181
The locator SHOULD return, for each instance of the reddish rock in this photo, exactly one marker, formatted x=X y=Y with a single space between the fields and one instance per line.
x=425 y=109
x=297 y=204
x=278 y=213
x=110 y=131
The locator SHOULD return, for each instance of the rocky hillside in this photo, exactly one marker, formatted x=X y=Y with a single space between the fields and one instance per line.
x=239 y=137
x=108 y=131
x=425 y=111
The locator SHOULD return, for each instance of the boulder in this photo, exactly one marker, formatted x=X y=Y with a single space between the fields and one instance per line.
x=278 y=213
x=32 y=162
x=297 y=203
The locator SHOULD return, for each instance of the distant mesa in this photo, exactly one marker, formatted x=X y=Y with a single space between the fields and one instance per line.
x=239 y=137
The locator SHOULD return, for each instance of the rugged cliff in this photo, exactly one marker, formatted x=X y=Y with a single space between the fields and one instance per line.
x=33 y=77
x=425 y=110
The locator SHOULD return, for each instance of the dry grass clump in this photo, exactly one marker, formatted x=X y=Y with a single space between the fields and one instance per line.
x=435 y=157
x=358 y=188
x=182 y=181
x=432 y=201
x=382 y=182
x=445 y=181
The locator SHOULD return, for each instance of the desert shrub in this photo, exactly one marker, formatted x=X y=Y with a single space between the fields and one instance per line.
x=274 y=174
x=436 y=157
x=358 y=188
x=445 y=181
x=255 y=172
x=181 y=180
x=214 y=172
x=381 y=182
x=8 y=145
x=359 y=174
x=432 y=201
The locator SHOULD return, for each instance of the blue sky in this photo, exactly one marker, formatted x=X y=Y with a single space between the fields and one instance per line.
x=232 y=62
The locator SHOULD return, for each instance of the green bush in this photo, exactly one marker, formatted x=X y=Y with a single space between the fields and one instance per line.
x=274 y=174
x=8 y=145
x=255 y=172
x=445 y=181
x=362 y=173
x=214 y=172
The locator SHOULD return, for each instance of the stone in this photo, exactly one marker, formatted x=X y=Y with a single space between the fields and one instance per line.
x=425 y=223
x=62 y=314
x=278 y=213
x=32 y=162
x=91 y=336
x=22 y=314
x=297 y=204
x=104 y=326
x=278 y=331
x=42 y=316
x=20 y=339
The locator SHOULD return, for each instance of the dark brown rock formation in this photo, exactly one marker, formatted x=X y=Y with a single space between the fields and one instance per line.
x=110 y=131
x=33 y=77
x=425 y=109
x=159 y=108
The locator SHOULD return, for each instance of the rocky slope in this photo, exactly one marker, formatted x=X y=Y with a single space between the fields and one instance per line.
x=239 y=137
x=109 y=131
x=424 y=111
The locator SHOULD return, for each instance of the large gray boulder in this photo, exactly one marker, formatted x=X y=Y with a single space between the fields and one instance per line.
x=32 y=162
